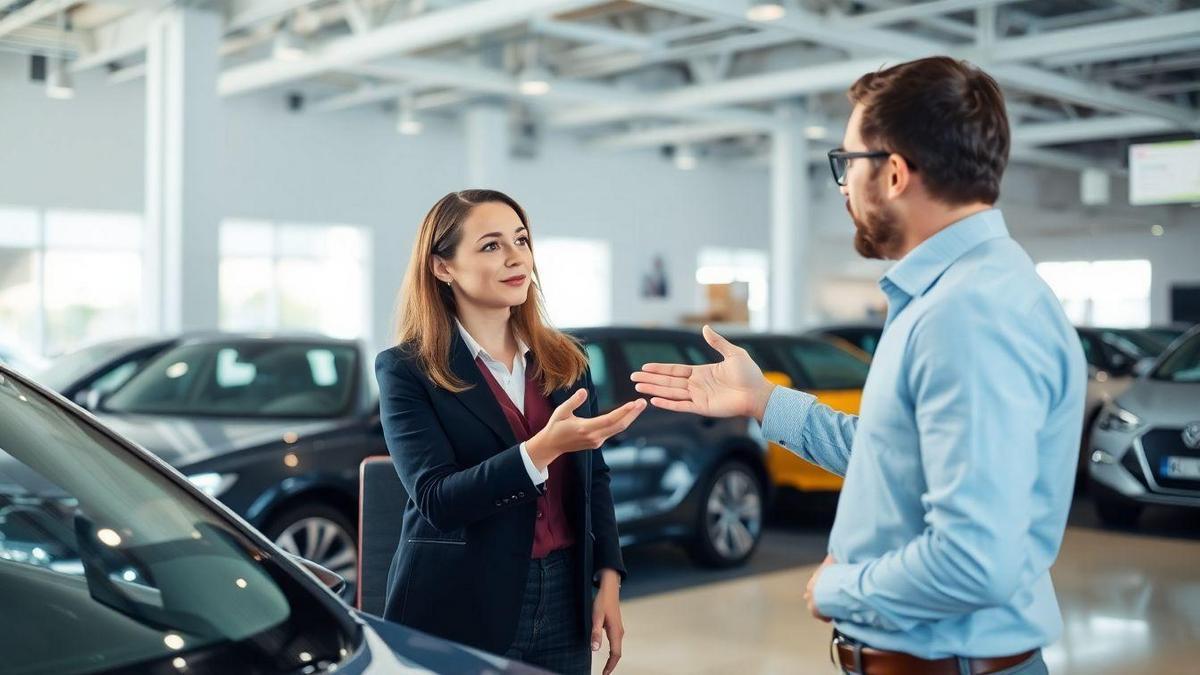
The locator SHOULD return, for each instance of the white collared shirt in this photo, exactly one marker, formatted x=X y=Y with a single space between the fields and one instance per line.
x=513 y=384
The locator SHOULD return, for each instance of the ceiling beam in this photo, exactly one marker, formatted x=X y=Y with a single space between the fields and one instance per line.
x=33 y=13
x=409 y=35
x=916 y=12
x=1110 y=34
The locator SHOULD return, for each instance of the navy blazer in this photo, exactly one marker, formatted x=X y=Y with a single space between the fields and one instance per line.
x=464 y=554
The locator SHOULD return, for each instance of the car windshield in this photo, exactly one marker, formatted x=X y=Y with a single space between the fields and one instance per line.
x=829 y=367
x=108 y=564
x=69 y=368
x=252 y=378
x=1136 y=343
x=1181 y=364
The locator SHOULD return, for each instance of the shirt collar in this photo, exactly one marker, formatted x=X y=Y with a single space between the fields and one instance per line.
x=476 y=349
x=922 y=266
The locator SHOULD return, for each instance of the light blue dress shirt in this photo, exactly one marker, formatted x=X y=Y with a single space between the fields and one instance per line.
x=960 y=466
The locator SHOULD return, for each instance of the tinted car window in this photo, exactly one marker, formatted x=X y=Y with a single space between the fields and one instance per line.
x=828 y=367
x=640 y=352
x=68 y=368
x=1181 y=364
x=251 y=379
x=105 y=563
x=1092 y=351
x=598 y=364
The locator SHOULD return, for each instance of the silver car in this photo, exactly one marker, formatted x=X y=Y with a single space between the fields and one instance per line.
x=1145 y=445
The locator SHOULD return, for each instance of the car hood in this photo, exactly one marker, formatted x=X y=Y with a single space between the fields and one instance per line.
x=1163 y=403
x=181 y=441
x=392 y=649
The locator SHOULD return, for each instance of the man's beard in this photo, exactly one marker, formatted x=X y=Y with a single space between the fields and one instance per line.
x=876 y=233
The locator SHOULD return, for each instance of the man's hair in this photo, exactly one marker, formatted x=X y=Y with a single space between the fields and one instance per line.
x=946 y=118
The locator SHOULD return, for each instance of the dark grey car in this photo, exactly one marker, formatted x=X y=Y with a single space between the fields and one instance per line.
x=111 y=562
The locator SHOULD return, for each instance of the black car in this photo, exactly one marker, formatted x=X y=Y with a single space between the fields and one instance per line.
x=111 y=562
x=697 y=480
x=91 y=372
x=273 y=426
x=864 y=336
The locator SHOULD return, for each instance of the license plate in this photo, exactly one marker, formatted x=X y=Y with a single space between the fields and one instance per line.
x=1181 y=467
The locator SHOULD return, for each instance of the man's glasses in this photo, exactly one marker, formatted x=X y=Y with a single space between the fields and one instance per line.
x=839 y=161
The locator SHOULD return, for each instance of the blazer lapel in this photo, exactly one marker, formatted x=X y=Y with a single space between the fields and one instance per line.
x=478 y=398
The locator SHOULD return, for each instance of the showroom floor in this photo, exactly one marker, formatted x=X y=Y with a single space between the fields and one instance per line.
x=1130 y=602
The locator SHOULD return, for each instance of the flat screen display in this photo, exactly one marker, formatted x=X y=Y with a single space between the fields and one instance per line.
x=1164 y=173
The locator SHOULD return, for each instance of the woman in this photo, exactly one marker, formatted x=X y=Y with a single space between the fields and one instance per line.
x=490 y=418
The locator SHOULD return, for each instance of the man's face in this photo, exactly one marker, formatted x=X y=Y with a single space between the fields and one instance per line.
x=877 y=230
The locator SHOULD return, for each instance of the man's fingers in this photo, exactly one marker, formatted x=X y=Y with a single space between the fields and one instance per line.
x=570 y=405
x=674 y=406
x=725 y=347
x=672 y=369
x=660 y=380
x=673 y=393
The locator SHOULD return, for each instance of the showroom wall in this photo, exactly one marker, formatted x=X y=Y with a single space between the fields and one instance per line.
x=352 y=167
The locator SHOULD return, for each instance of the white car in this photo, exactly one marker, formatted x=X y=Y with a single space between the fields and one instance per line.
x=1145 y=445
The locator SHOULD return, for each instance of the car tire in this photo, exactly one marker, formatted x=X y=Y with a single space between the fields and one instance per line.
x=1117 y=513
x=730 y=516
x=319 y=533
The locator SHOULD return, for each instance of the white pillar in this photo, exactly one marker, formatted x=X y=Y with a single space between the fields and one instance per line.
x=790 y=206
x=183 y=140
x=487 y=147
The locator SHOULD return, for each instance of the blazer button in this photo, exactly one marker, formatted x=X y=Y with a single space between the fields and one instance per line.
x=499 y=503
x=521 y=495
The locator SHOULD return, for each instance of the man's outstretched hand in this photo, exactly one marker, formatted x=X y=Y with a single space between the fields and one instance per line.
x=734 y=386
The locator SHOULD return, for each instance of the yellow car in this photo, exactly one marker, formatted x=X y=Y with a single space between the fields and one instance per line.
x=834 y=372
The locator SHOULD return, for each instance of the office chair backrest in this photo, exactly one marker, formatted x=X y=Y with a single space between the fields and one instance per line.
x=381 y=501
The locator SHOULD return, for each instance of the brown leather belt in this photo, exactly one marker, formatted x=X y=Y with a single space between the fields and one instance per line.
x=856 y=658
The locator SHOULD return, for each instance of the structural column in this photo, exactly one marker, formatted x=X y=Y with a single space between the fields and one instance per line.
x=487 y=133
x=790 y=222
x=183 y=169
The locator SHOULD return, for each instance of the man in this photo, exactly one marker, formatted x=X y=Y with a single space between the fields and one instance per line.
x=960 y=467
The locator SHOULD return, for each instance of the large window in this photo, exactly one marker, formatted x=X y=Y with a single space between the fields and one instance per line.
x=1112 y=293
x=748 y=266
x=576 y=277
x=295 y=277
x=68 y=277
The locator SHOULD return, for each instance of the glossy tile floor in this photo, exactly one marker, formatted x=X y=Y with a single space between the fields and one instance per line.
x=1130 y=603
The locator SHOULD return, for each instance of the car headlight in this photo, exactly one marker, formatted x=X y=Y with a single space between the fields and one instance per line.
x=1115 y=418
x=213 y=484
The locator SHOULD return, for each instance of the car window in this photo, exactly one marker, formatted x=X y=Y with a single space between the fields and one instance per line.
x=1182 y=363
x=639 y=352
x=828 y=367
x=112 y=380
x=250 y=379
x=109 y=564
x=66 y=370
x=1092 y=352
x=601 y=379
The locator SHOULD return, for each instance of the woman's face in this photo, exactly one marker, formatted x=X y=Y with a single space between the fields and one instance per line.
x=492 y=267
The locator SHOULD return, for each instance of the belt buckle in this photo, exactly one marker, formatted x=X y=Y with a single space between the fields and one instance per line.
x=855 y=649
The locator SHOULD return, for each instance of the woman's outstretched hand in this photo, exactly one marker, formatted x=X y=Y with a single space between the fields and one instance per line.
x=566 y=433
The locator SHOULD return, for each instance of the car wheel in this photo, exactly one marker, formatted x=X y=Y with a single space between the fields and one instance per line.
x=730 y=517
x=321 y=534
x=1117 y=513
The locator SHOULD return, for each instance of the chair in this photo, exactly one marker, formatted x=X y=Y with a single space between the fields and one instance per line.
x=381 y=502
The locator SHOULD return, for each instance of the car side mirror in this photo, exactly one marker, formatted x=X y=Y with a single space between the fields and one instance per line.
x=332 y=580
x=1144 y=366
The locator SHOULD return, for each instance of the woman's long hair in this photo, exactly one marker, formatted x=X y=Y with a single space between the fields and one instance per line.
x=425 y=308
